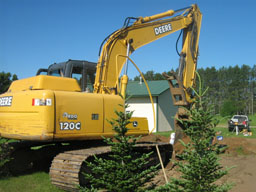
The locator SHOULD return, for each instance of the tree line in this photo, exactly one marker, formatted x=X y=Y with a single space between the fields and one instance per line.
x=231 y=90
x=5 y=81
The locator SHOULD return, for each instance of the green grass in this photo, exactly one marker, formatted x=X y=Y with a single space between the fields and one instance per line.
x=223 y=121
x=240 y=150
x=253 y=120
x=165 y=134
x=36 y=182
x=224 y=133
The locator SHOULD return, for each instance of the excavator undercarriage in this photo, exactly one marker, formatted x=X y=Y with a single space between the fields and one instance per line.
x=67 y=168
x=67 y=160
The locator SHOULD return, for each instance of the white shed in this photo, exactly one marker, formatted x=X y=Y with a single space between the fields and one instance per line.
x=140 y=103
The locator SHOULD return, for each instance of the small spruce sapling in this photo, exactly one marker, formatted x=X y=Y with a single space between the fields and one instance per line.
x=124 y=170
x=199 y=167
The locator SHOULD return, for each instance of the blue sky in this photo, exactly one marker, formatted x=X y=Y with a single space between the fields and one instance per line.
x=37 y=33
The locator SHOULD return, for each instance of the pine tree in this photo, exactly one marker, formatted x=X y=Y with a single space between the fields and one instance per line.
x=199 y=167
x=5 y=81
x=124 y=170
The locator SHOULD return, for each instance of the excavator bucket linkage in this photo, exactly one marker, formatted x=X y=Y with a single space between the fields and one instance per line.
x=176 y=89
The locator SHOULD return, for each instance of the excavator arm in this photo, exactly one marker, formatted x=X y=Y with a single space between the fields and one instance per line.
x=145 y=30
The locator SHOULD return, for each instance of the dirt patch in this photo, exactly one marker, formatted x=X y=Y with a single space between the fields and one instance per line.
x=240 y=146
x=243 y=175
x=154 y=138
x=240 y=154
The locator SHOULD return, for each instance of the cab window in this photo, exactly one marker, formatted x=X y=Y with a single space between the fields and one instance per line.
x=56 y=73
x=77 y=73
x=84 y=77
x=90 y=81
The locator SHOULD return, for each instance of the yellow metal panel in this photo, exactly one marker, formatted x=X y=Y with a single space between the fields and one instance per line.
x=69 y=116
x=78 y=114
x=138 y=125
x=84 y=116
x=45 y=82
x=111 y=103
x=93 y=136
x=22 y=120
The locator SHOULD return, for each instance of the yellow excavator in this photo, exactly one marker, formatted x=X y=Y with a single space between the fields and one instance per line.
x=71 y=105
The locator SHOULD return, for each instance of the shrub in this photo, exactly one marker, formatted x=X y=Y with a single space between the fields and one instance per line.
x=124 y=170
x=199 y=167
x=4 y=156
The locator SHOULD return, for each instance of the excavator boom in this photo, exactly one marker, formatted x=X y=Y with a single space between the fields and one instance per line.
x=125 y=41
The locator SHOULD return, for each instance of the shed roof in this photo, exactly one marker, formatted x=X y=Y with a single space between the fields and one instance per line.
x=137 y=89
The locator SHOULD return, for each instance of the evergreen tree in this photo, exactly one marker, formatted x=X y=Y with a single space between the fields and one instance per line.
x=5 y=81
x=124 y=170
x=152 y=76
x=200 y=167
x=228 y=109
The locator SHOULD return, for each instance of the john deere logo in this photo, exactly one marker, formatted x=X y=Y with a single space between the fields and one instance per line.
x=163 y=29
x=5 y=101
x=134 y=123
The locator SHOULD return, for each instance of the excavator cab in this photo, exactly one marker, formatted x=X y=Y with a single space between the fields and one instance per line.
x=82 y=71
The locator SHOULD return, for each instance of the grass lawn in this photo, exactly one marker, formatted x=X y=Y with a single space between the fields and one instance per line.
x=224 y=133
x=36 y=182
x=222 y=126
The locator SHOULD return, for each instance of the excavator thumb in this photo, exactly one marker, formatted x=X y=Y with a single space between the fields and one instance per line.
x=179 y=99
x=176 y=88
